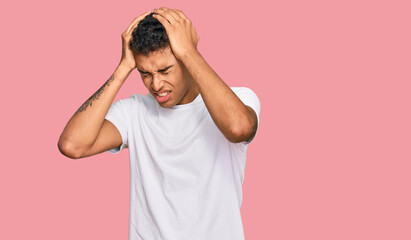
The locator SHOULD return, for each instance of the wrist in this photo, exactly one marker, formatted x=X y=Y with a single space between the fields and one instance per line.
x=124 y=67
x=189 y=56
x=122 y=71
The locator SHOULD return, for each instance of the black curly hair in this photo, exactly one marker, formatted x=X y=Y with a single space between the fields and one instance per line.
x=148 y=36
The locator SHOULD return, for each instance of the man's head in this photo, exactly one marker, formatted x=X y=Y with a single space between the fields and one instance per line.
x=160 y=71
x=148 y=36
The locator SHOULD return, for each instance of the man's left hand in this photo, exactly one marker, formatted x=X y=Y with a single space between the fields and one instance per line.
x=180 y=31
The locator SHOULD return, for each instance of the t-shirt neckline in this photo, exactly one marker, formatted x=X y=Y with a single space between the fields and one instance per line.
x=196 y=100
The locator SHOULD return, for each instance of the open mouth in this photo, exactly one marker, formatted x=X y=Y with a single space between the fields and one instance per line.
x=162 y=96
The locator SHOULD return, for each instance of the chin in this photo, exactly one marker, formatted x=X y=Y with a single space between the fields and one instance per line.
x=166 y=104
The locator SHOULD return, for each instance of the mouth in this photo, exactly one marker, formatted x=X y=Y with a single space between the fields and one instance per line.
x=162 y=96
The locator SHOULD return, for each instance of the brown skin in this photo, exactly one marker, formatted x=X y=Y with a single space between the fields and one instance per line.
x=235 y=120
x=88 y=133
x=162 y=72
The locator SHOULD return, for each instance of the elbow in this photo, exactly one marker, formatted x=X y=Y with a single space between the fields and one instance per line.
x=244 y=129
x=241 y=132
x=68 y=149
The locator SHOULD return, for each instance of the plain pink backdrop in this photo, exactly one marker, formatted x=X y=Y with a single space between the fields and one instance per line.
x=331 y=159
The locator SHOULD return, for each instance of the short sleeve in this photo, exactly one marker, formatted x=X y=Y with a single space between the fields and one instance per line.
x=249 y=98
x=117 y=114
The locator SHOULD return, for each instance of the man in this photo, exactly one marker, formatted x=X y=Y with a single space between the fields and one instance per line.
x=187 y=138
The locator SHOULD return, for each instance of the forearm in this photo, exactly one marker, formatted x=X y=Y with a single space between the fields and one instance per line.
x=82 y=129
x=229 y=113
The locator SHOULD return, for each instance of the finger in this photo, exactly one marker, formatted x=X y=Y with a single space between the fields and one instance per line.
x=195 y=35
x=168 y=14
x=136 y=21
x=162 y=20
x=193 y=30
x=173 y=15
x=181 y=14
x=162 y=12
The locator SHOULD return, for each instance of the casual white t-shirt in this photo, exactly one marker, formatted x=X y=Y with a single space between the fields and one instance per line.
x=186 y=177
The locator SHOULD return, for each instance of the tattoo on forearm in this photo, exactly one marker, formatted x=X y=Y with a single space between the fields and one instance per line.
x=96 y=95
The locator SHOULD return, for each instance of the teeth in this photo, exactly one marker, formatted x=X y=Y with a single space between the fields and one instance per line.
x=162 y=94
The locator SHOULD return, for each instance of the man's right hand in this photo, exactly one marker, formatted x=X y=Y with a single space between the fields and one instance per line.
x=127 y=56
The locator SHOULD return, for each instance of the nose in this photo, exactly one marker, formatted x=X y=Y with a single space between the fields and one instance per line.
x=158 y=82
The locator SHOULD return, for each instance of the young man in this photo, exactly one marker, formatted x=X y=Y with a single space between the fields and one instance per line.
x=187 y=138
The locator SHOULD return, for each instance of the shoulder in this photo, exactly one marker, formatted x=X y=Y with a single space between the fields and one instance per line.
x=248 y=97
x=242 y=90
x=245 y=93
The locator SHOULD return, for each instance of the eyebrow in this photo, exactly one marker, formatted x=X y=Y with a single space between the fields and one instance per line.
x=160 y=70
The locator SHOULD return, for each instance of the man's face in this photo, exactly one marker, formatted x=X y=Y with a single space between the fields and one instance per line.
x=166 y=78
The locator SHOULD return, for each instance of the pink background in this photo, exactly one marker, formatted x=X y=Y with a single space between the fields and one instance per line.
x=331 y=159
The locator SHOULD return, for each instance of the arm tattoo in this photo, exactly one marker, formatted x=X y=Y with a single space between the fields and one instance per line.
x=96 y=95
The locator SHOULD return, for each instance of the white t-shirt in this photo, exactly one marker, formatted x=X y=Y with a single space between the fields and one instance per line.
x=186 y=177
